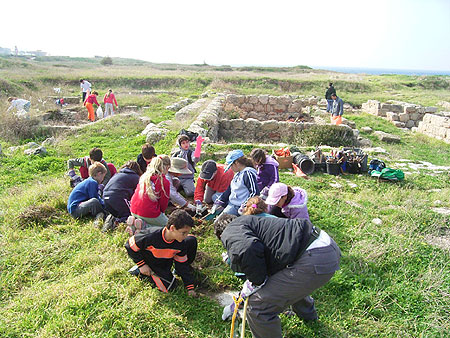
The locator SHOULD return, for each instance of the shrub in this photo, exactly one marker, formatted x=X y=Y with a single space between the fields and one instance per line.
x=106 y=61
x=333 y=136
x=13 y=128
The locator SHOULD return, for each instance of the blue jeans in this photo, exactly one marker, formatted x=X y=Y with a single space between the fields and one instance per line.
x=329 y=104
x=231 y=209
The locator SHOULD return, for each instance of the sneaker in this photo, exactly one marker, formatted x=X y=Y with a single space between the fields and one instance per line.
x=138 y=224
x=110 y=223
x=98 y=221
x=134 y=271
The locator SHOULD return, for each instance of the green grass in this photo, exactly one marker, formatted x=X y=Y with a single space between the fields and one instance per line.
x=62 y=277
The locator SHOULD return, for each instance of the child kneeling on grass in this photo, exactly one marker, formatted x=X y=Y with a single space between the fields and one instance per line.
x=155 y=250
x=84 y=199
x=287 y=202
x=151 y=197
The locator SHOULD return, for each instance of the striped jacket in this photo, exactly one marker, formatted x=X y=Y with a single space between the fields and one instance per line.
x=149 y=247
x=242 y=187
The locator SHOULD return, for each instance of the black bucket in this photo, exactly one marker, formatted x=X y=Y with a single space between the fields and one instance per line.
x=354 y=167
x=304 y=163
x=320 y=167
x=333 y=168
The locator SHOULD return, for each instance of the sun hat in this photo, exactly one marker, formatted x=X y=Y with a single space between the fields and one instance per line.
x=179 y=166
x=231 y=157
x=208 y=169
x=276 y=191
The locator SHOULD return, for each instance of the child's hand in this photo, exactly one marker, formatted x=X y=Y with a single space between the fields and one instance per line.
x=192 y=293
x=145 y=270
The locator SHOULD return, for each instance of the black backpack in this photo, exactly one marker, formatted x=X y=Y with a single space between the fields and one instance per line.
x=377 y=165
x=192 y=136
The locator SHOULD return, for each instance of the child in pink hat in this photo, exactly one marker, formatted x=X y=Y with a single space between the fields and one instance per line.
x=287 y=202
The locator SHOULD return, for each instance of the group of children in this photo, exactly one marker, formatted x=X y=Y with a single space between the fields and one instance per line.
x=140 y=192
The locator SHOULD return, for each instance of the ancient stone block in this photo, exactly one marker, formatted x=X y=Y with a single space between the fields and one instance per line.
x=391 y=116
x=385 y=137
x=263 y=99
x=410 y=109
x=414 y=116
x=237 y=124
x=279 y=108
x=403 y=117
x=273 y=99
x=247 y=107
x=253 y=99
x=399 y=124
x=410 y=124
x=259 y=108
x=269 y=125
x=430 y=109
x=367 y=130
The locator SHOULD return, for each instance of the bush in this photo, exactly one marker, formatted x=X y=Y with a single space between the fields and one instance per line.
x=106 y=61
x=13 y=128
x=333 y=136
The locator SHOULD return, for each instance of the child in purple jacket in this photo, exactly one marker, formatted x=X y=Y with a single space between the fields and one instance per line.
x=266 y=169
x=287 y=202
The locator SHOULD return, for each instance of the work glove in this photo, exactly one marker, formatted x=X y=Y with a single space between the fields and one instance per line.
x=199 y=208
x=241 y=209
x=191 y=207
x=228 y=312
x=216 y=209
x=249 y=289
x=198 y=147
x=264 y=193
x=225 y=257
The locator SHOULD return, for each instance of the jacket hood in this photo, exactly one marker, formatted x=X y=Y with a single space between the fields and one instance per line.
x=299 y=200
x=127 y=171
x=270 y=160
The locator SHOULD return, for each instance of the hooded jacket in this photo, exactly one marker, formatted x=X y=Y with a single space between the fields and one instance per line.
x=242 y=187
x=267 y=173
x=262 y=246
x=143 y=206
x=297 y=207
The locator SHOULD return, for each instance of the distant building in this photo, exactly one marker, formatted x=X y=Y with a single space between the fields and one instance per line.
x=5 y=51
x=37 y=52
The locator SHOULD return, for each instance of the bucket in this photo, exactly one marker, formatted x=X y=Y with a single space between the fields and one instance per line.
x=320 y=167
x=354 y=168
x=304 y=163
x=333 y=168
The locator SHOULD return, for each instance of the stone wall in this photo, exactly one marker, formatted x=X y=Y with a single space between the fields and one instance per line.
x=436 y=125
x=401 y=114
x=267 y=107
x=253 y=130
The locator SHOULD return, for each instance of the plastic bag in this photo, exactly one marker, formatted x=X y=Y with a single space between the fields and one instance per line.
x=337 y=120
x=99 y=112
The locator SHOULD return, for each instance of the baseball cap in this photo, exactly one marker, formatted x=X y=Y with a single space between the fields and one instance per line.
x=231 y=157
x=276 y=191
x=208 y=169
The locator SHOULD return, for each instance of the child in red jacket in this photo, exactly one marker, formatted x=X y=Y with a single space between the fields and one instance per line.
x=109 y=99
x=151 y=197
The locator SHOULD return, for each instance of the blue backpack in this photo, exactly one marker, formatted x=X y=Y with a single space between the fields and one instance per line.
x=376 y=165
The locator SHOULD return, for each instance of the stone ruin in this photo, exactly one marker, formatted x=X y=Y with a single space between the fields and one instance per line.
x=436 y=125
x=401 y=114
x=250 y=118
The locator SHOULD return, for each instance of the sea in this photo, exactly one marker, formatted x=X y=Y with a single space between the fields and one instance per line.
x=379 y=71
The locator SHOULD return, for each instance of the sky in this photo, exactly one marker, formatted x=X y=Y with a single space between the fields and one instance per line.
x=390 y=34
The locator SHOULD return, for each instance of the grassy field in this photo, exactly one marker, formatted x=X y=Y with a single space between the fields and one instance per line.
x=65 y=278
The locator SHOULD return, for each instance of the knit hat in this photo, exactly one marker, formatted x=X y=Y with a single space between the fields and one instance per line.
x=179 y=166
x=231 y=157
x=276 y=191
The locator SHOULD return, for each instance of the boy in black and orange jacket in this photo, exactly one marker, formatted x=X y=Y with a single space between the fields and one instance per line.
x=155 y=250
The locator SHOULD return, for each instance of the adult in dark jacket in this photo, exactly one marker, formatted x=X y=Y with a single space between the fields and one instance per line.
x=288 y=259
x=330 y=91
x=119 y=190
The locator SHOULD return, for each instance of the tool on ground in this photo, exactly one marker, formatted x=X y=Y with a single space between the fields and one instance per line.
x=237 y=301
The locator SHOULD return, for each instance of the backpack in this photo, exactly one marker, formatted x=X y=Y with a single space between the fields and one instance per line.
x=192 y=136
x=376 y=165
x=389 y=174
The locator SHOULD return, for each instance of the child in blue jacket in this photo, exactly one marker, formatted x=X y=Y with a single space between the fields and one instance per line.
x=242 y=187
x=84 y=198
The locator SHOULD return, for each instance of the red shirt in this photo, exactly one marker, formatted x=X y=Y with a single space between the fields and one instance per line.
x=219 y=183
x=143 y=206
x=110 y=99
x=92 y=99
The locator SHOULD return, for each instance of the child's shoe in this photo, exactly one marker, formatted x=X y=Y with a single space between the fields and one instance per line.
x=98 y=221
x=110 y=223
